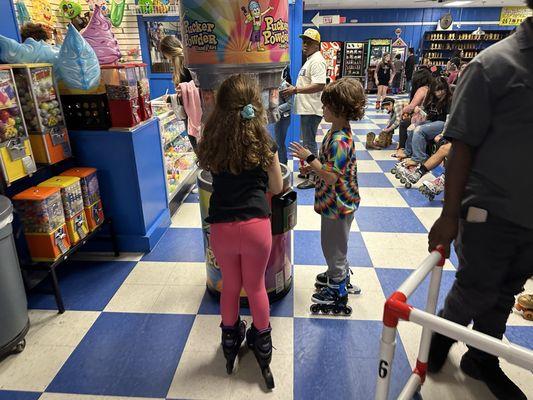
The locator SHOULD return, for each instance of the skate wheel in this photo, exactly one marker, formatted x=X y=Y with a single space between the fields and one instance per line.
x=315 y=309
x=348 y=310
x=431 y=198
x=403 y=181
x=408 y=185
x=336 y=311
x=393 y=171
x=398 y=176
x=19 y=348
x=528 y=315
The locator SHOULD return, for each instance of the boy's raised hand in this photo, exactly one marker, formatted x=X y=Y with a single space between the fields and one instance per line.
x=299 y=151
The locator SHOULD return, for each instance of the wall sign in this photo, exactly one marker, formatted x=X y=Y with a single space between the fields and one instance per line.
x=514 y=16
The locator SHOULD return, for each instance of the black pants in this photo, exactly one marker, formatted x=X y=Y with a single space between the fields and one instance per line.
x=495 y=261
x=403 y=132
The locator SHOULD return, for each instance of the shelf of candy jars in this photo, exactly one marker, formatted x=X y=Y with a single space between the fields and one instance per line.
x=43 y=112
x=16 y=157
x=179 y=157
x=464 y=36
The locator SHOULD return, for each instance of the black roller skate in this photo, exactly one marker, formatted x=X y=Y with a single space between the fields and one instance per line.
x=232 y=339
x=261 y=344
x=332 y=299
x=322 y=281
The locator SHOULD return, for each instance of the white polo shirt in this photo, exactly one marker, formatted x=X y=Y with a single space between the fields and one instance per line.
x=313 y=71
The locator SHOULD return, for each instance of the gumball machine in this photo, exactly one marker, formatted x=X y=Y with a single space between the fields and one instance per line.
x=42 y=112
x=143 y=87
x=122 y=94
x=16 y=157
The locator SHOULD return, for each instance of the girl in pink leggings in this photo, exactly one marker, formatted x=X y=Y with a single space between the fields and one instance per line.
x=243 y=160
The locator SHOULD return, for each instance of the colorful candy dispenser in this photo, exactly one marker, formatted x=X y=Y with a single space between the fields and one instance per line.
x=42 y=112
x=72 y=198
x=143 y=87
x=16 y=157
x=122 y=94
x=41 y=213
x=91 y=195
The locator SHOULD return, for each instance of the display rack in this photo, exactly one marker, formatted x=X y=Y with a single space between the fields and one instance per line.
x=354 y=60
x=439 y=46
x=149 y=9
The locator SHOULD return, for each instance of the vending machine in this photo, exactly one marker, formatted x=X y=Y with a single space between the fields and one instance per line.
x=354 y=60
x=376 y=49
x=332 y=53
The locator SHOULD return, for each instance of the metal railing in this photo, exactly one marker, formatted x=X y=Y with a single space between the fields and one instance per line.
x=397 y=308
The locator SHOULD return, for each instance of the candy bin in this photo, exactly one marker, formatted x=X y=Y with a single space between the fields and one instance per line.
x=143 y=87
x=43 y=112
x=41 y=213
x=91 y=195
x=72 y=198
x=122 y=94
x=85 y=109
x=16 y=157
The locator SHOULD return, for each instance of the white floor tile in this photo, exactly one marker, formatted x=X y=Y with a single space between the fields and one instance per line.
x=360 y=146
x=427 y=216
x=183 y=299
x=368 y=166
x=106 y=256
x=366 y=125
x=48 y=328
x=381 y=197
x=34 y=368
x=187 y=216
x=70 y=396
x=135 y=298
x=162 y=273
x=382 y=155
x=398 y=250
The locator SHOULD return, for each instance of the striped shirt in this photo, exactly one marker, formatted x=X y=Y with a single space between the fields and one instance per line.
x=337 y=155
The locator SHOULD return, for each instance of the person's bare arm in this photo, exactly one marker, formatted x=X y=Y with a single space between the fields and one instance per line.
x=417 y=100
x=309 y=89
x=275 y=180
x=302 y=153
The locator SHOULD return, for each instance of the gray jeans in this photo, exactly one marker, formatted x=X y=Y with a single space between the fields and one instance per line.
x=309 y=126
x=334 y=237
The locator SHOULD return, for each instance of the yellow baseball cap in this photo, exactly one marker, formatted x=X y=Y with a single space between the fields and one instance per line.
x=312 y=34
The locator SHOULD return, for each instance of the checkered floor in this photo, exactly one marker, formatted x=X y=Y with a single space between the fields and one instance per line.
x=143 y=326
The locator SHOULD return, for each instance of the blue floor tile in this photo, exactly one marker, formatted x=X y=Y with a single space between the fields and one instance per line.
x=179 y=245
x=416 y=199
x=308 y=250
x=305 y=197
x=282 y=308
x=391 y=279
x=338 y=359
x=388 y=219
x=386 y=166
x=85 y=286
x=363 y=155
x=15 y=395
x=126 y=355
x=520 y=335
x=373 y=179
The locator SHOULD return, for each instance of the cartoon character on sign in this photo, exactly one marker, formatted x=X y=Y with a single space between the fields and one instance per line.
x=103 y=4
x=255 y=17
x=42 y=13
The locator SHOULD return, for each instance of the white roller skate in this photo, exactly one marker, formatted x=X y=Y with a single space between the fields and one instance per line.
x=404 y=173
x=430 y=189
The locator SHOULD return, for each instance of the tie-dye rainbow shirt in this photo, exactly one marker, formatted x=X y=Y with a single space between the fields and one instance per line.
x=337 y=154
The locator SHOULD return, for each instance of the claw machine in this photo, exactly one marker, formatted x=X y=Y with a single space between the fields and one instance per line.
x=332 y=53
x=16 y=157
x=43 y=112
x=376 y=49
x=354 y=60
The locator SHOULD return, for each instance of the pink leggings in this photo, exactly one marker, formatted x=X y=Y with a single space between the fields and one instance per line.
x=242 y=250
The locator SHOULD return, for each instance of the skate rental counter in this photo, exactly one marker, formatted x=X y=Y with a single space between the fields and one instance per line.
x=278 y=276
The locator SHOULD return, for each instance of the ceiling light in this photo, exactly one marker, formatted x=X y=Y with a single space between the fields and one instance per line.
x=459 y=3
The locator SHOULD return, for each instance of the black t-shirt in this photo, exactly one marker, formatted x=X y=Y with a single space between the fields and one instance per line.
x=435 y=113
x=239 y=197
x=409 y=67
x=185 y=75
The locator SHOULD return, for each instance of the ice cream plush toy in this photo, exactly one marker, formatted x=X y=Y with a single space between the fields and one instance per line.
x=99 y=35
x=77 y=65
x=31 y=51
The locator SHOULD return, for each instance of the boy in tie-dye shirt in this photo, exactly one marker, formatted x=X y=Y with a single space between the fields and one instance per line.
x=337 y=193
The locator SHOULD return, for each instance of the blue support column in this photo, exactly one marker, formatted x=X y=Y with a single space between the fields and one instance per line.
x=9 y=27
x=296 y=15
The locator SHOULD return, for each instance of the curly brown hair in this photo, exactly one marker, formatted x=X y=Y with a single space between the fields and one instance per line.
x=231 y=143
x=346 y=98
x=34 y=31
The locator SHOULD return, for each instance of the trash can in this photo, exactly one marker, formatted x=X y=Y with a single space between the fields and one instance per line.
x=14 y=322
x=279 y=272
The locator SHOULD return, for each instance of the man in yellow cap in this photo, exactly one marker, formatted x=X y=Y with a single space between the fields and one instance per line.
x=308 y=91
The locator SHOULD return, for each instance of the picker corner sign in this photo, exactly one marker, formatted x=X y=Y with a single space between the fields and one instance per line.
x=514 y=16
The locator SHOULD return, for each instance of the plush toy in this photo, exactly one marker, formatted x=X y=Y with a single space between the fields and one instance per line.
x=71 y=9
x=41 y=12
x=99 y=35
x=31 y=51
x=77 y=65
x=116 y=14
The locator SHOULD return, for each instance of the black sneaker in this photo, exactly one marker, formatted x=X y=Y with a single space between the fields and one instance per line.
x=302 y=176
x=492 y=375
x=307 y=184
x=322 y=281
x=438 y=352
